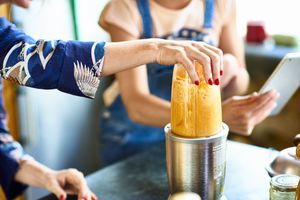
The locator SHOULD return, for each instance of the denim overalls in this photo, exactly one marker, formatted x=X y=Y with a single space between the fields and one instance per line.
x=120 y=136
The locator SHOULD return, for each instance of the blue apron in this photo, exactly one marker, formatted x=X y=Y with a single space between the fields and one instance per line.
x=121 y=137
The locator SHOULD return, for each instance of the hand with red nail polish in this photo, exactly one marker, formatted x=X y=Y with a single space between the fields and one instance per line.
x=61 y=183
x=61 y=197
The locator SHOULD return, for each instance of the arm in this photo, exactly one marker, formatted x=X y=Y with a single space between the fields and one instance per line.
x=10 y=152
x=55 y=64
x=18 y=170
x=141 y=105
x=74 y=67
x=235 y=80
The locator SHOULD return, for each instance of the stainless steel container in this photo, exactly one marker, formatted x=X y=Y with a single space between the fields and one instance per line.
x=197 y=164
x=286 y=162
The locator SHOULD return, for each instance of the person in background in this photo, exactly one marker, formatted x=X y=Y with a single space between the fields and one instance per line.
x=75 y=67
x=127 y=125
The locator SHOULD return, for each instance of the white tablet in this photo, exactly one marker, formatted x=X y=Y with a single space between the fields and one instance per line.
x=285 y=79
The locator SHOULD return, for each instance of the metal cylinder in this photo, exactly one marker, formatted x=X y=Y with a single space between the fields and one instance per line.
x=197 y=164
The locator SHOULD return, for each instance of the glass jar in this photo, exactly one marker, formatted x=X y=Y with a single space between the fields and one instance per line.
x=195 y=110
x=283 y=187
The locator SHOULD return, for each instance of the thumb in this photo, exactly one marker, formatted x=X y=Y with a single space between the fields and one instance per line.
x=242 y=100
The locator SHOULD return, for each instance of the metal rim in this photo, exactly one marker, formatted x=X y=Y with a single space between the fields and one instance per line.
x=222 y=134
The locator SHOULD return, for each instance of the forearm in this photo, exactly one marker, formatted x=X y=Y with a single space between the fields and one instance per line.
x=238 y=85
x=150 y=110
x=120 y=56
x=71 y=66
x=33 y=173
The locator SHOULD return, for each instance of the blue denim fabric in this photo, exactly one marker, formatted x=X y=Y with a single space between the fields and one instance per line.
x=120 y=137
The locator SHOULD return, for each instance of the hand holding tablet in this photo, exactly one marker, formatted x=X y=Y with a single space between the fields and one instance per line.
x=285 y=79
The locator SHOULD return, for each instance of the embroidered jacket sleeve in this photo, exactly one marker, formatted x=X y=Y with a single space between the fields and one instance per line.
x=10 y=153
x=72 y=67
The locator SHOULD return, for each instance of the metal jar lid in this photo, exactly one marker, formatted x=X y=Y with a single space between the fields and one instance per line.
x=184 y=196
x=285 y=182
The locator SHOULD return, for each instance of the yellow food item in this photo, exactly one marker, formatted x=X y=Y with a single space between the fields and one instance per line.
x=195 y=110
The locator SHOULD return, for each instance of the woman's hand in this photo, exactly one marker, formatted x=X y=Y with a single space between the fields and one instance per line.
x=121 y=56
x=243 y=113
x=185 y=52
x=61 y=183
x=69 y=181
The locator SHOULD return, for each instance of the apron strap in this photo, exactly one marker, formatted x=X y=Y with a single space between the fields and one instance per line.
x=143 y=6
x=208 y=13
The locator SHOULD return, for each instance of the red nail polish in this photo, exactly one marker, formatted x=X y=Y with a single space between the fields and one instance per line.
x=210 y=82
x=61 y=197
x=217 y=82
x=197 y=82
x=221 y=72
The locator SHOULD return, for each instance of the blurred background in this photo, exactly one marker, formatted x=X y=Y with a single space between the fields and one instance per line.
x=62 y=131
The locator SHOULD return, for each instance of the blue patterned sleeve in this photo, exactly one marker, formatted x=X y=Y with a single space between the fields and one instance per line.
x=10 y=153
x=72 y=67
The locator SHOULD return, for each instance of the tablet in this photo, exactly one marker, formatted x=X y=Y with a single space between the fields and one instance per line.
x=285 y=79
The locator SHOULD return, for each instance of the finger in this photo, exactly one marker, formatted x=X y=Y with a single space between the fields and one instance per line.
x=194 y=55
x=244 y=130
x=57 y=190
x=263 y=113
x=189 y=66
x=220 y=53
x=262 y=99
x=243 y=100
x=206 y=65
x=214 y=58
x=94 y=197
x=76 y=178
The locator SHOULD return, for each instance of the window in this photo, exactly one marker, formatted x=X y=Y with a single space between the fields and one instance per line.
x=279 y=16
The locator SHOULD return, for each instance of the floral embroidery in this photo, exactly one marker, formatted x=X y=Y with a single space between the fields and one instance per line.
x=86 y=79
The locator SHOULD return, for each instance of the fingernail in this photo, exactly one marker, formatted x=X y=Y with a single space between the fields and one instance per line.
x=217 y=82
x=210 y=82
x=197 y=82
x=221 y=72
x=61 y=197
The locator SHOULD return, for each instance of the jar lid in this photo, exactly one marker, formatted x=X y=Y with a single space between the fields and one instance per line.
x=285 y=182
x=184 y=196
